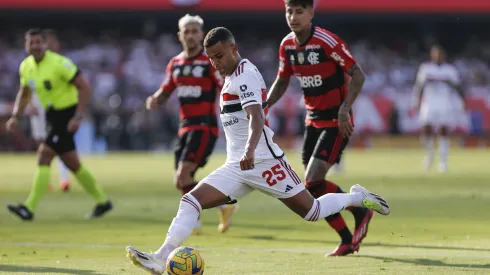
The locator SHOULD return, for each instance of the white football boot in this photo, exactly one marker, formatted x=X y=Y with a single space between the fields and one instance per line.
x=372 y=201
x=146 y=261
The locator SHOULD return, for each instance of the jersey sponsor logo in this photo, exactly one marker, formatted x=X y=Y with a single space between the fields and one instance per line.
x=301 y=58
x=313 y=58
x=189 y=91
x=201 y=62
x=176 y=73
x=346 y=51
x=230 y=122
x=198 y=71
x=187 y=70
x=313 y=47
x=292 y=59
x=246 y=95
x=338 y=58
x=281 y=64
x=243 y=88
x=310 y=81
x=290 y=47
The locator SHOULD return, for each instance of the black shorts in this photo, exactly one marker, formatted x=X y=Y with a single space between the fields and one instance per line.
x=326 y=144
x=58 y=137
x=195 y=146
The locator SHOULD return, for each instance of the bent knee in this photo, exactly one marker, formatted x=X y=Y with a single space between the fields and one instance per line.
x=46 y=155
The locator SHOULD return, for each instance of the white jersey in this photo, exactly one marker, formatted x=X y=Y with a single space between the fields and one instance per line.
x=245 y=87
x=434 y=78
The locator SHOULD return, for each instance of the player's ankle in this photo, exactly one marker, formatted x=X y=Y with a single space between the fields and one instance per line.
x=357 y=199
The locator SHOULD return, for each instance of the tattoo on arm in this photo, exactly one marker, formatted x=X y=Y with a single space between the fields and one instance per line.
x=355 y=86
x=277 y=90
x=162 y=96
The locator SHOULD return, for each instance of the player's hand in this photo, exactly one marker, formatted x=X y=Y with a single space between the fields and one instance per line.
x=12 y=124
x=345 y=123
x=247 y=161
x=74 y=124
x=151 y=103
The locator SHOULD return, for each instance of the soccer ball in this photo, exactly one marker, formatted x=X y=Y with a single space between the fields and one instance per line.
x=185 y=260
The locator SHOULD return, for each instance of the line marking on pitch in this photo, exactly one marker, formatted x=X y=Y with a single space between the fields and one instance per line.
x=236 y=249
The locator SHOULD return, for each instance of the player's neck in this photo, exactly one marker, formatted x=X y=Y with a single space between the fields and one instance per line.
x=303 y=35
x=192 y=53
x=238 y=60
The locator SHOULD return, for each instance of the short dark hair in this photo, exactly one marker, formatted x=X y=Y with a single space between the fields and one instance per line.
x=50 y=32
x=35 y=31
x=216 y=35
x=302 y=3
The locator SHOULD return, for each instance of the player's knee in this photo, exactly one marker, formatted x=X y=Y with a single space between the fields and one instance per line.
x=316 y=188
x=189 y=203
x=45 y=155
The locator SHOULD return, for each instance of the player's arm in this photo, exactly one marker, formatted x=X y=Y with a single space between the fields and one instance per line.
x=418 y=87
x=353 y=90
x=281 y=83
x=23 y=97
x=84 y=94
x=250 y=92
x=341 y=55
x=256 y=125
x=161 y=96
x=70 y=73
x=456 y=84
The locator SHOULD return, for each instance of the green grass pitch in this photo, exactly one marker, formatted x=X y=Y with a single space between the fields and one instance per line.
x=440 y=224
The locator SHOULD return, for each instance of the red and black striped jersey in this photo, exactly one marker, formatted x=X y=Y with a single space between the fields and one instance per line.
x=319 y=64
x=196 y=83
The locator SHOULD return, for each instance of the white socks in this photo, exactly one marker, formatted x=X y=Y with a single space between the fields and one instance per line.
x=443 y=149
x=64 y=176
x=182 y=225
x=329 y=204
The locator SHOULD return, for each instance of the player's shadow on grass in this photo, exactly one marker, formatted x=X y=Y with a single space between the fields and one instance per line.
x=41 y=269
x=274 y=238
x=426 y=262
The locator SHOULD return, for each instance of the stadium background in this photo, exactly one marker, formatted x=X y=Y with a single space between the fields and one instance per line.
x=123 y=48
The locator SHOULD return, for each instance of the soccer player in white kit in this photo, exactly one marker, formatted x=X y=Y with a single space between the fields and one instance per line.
x=38 y=120
x=254 y=161
x=435 y=83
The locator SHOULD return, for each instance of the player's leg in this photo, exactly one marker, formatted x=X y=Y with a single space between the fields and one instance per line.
x=311 y=209
x=65 y=148
x=443 y=142
x=185 y=169
x=328 y=149
x=427 y=134
x=446 y=120
x=87 y=180
x=199 y=146
x=64 y=176
x=277 y=179
x=40 y=184
x=220 y=187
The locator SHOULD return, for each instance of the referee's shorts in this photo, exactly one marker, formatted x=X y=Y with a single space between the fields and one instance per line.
x=58 y=137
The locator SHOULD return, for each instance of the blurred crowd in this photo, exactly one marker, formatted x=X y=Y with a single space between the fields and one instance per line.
x=125 y=69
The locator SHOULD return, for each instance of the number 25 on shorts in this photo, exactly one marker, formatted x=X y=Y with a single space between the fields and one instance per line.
x=274 y=175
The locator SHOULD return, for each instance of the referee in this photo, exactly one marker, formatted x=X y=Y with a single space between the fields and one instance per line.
x=65 y=94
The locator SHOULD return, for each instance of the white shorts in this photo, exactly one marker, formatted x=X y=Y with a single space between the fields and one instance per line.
x=274 y=177
x=38 y=126
x=436 y=116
